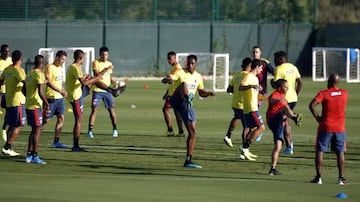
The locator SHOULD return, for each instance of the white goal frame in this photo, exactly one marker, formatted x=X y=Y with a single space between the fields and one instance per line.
x=50 y=54
x=216 y=70
x=350 y=61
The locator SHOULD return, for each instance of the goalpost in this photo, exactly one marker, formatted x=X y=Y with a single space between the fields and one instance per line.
x=50 y=53
x=214 y=67
x=344 y=61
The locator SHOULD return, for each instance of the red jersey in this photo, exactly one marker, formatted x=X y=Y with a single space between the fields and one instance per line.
x=274 y=108
x=333 y=101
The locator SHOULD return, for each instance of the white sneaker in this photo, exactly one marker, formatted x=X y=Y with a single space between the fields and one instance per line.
x=245 y=154
x=10 y=152
x=4 y=135
x=115 y=133
x=228 y=141
x=90 y=134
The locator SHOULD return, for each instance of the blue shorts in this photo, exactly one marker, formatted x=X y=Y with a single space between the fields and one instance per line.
x=292 y=105
x=3 y=100
x=277 y=124
x=104 y=96
x=253 y=119
x=34 y=117
x=57 y=107
x=337 y=140
x=239 y=114
x=15 y=116
x=78 y=107
x=186 y=111
x=85 y=91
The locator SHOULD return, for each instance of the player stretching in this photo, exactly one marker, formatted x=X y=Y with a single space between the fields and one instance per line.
x=35 y=98
x=55 y=94
x=290 y=73
x=250 y=86
x=5 y=61
x=237 y=102
x=276 y=114
x=14 y=76
x=176 y=67
x=101 y=94
x=182 y=101
x=74 y=82
x=331 y=126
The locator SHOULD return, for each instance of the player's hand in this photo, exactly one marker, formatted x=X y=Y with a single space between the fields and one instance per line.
x=64 y=93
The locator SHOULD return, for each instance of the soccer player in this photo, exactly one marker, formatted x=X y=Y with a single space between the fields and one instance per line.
x=100 y=94
x=55 y=94
x=237 y=102
x=35 y=100
x=14 y=76
x=171 y=58
x=5 y=61
x=276 y=114
x=331 y=126
x=250 y=86
x=290 y=73
x=182 y=101
x=75 y=80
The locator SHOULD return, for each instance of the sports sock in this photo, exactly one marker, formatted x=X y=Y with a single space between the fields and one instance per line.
x=7 y=146
x=90 y=127
x=29 y=153
x=114 y=127
x=229 y=132
x=76 y=142
x=246 y=144
x=35 y=154
x=188 y=158
x=56 y=139
x=170 y=129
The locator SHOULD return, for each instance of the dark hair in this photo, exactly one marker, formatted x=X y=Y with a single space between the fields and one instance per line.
x=61 y=53
x=278 y=83
x=104 y=49
x=189 y=57
x=255 y=63
x=280 y=54
x=16 y=55
x=39 y=59
x=256 y=47
x=78 y=54
x=3 y=47
x=171 y=53
x=245 y=62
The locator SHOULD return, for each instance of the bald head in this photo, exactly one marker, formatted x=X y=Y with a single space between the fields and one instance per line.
x=333 y=80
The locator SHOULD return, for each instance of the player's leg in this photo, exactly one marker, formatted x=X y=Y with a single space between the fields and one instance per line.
x=233 y=124
x=96 y=99
x=3 y=105
x=16 y=121
x=35 y=121
x=60 y=118
x=167 y=117
x=338 y=146
x=275 y=157
x=77 y=106
x=114 y=91
x=179 y=123
x=288 y=135
x=190 y=143
x=112 y=115
x=276 y=125
x=322 y=142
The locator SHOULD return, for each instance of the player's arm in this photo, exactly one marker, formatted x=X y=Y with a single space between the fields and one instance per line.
x=23 y=90
x=51 y=85
x=312 y=107
x=42 y=95
x=247 y=87
x=204 y=93
x=298 y=85
x=262 y=97
x=2 y=82
x=270 y=69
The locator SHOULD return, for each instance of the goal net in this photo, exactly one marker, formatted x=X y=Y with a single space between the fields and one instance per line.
x=50 y=53
x=344 y=61
x=214 y=67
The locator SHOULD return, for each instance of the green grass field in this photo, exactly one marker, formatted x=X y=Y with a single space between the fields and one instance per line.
x=142 y=165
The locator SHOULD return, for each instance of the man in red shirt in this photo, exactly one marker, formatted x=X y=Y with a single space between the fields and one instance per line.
x=276 y=114
x=331 y=126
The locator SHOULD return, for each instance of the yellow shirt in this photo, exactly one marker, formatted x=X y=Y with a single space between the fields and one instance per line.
x=33 y=79
x=55 y=75
x=237 y=99
x=176 y=69
x=73 y=84
x=290 y=73
x=250 y=95
x=193 y=82
x=13 y=77
x=3 y=64
x=106 y=78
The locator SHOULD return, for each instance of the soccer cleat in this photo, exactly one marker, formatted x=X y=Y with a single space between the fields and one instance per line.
x=273 y=171
x=37 y=160
x=342 y=181
x=258 y=139
x=169 y=134
x=288 y=150
x=9 y=152
x=115 y=133
x=90 y=134
x=180 y=134
x=316 y=180
x=298 y=119
x=189 y=164
x=245 y=154
x=28 y=158
x=78 y=149
x=228 y=141
x=4 y=135
x=59 y=145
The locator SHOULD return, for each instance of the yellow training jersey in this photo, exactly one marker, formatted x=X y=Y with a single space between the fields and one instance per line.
x=73 y=84
x=290 y=73
x=250 y=95
x=3 y=64
x=237 y=99
x=13 y=77
x=193 y=82
x=55 y=75
x=33 y=79
x=99 y=65
x=177 y=71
